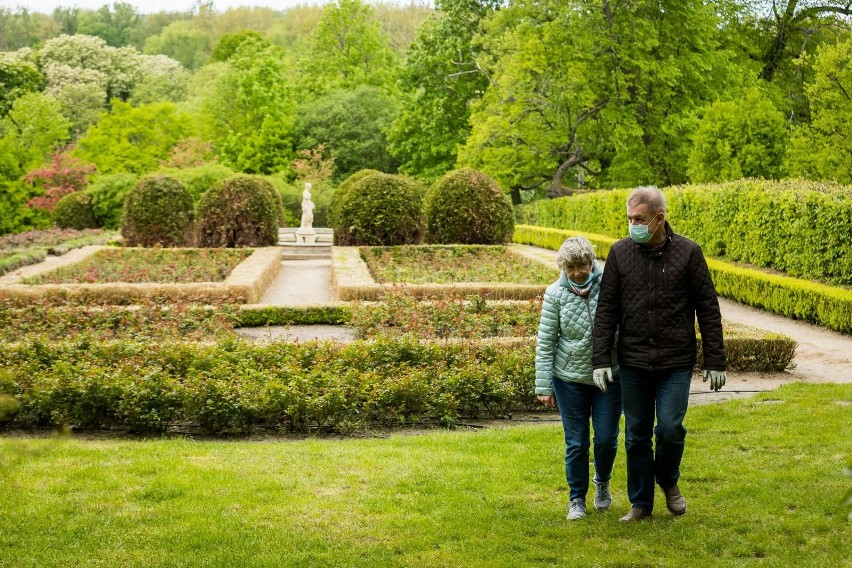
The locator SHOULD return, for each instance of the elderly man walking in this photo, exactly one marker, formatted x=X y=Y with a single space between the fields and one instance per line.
x=654 y=285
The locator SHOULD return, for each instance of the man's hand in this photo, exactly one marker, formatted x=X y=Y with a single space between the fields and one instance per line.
x=602 y=376
x=549 y=401
x=717 y=379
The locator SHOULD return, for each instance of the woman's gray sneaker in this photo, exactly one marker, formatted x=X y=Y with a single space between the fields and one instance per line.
x=576 y=509
x=603 y=498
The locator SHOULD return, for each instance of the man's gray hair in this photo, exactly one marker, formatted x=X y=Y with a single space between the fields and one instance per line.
x=575 y=251
x=651 y=196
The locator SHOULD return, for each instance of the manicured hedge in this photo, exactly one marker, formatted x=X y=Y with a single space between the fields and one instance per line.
x=800 y=227
x=251 y=315
x=234 y=386
x=230 y=385
x=825 y=305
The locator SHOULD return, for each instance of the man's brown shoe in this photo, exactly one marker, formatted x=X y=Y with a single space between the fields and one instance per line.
x=675 y=502
x=635 y=514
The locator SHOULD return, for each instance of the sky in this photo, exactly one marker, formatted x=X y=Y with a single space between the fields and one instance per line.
x=147 y=6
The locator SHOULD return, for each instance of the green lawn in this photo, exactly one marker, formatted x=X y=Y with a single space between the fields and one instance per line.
x=763 y=477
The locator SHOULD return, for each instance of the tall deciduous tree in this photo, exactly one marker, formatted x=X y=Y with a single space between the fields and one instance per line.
x=351 y=125
x=744 y=137
x=249 y=112
x=440 y=80
x=601 y=86
x=823 y=149
x=348 y=48
x=133 y=139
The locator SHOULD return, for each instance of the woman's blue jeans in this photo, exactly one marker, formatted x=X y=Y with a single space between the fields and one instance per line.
x=644 y=393
x=577 y=404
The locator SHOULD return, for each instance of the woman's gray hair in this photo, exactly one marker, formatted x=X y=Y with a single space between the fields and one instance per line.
x=575 y=251
x=651 y=196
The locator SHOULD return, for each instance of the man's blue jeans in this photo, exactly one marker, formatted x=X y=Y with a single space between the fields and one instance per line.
x=577 y=404
x=643 y=392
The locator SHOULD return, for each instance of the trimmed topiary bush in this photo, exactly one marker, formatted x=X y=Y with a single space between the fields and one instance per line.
x=108 y=193
x=468 y=207
x=199 y=179
x=158 y=211
x=379 y=210
x=241 y=211
x=74 y=211
x=339 y=216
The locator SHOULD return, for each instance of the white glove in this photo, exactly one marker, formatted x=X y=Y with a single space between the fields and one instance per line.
x=601 y=376
x=717 y=379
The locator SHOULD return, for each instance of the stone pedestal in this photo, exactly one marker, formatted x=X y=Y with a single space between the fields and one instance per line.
x=306 y=236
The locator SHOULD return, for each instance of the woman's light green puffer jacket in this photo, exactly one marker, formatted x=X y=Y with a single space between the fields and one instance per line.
x=564 y=344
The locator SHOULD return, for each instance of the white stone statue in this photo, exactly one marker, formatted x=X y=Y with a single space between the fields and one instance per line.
x=307 y=208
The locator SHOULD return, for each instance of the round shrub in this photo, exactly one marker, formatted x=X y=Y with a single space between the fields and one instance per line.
x=241 y=211
x=340 y=218
x=108 y=193
x=468 y=207
x=74 y=211
x=379 y=210
x=158 y=211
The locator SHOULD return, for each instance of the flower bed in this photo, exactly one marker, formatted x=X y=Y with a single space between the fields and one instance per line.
x=245 y=284
x=352 y=279
x=148 y=321
x=32 y=247
x=453 y=265
x=136 y=265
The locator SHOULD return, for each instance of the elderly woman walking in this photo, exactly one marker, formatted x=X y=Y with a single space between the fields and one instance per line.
x=563 y=375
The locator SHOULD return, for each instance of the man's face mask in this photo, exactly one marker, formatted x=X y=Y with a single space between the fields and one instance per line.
x=640 y=233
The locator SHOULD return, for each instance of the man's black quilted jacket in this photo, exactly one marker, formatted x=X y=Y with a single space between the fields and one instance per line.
x=652 y=298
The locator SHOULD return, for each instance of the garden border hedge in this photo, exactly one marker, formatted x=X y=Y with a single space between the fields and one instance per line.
x=245 y=284
x=233 y=385
x=829 y=306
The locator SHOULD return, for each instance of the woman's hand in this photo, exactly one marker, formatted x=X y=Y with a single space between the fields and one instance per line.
x=547 y=401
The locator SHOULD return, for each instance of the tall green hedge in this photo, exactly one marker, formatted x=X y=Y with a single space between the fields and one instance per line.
x=800 y=227
x=829 y=306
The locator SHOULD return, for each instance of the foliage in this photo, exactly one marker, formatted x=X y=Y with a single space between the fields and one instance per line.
x=108 y=193
x=162 y=79
x=229 y=43
x=454 y=264
x=467 y=207
x=380 y=210
x=65 y=174
x=241 y=211
x=341 y=209
x=189 y=153
x=74 y=211
x=32 y=130
x=740 y=138
x=347 y=49
x=259 y=316
x=158 y=211
x=249 y=111
x=820 y=150
x=200 y=178
x=351 y=126
x=17 y=78
x=440 y=81
x=607 y=120
x=183 y=41
x=133 y=265
x=133 y=139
